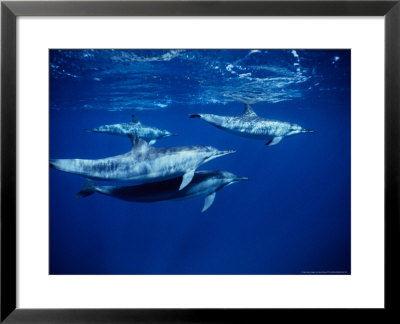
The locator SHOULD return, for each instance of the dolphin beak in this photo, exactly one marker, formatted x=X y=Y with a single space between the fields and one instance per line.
x=168 y=135
x=241 y=179
x=219 y=154
x=222 y=153
x=308 y=131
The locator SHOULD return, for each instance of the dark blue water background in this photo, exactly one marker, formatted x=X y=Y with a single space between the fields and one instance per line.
x=293 y=216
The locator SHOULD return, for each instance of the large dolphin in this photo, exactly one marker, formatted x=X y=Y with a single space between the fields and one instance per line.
x=204 y=183
x=144 y=163
x=148 y=133
x=249 y=124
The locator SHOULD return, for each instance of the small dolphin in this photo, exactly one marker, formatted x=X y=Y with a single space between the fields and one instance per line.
x=148 y=133
x=204 y=183
x=144 y=163
x=250 y=125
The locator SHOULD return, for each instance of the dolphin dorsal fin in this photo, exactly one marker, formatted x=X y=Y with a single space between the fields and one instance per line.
x=248 y=111
x=137 y=142
x=134 y=119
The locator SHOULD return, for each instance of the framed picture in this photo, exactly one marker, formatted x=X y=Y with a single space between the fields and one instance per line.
x=198 y=161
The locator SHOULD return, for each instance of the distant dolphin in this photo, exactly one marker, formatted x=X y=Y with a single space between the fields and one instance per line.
x=250 y=125
x=204 y=183
x=148 y=133
x=143 y=163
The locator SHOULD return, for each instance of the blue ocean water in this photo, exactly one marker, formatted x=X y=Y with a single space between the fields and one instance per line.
x=291 y=217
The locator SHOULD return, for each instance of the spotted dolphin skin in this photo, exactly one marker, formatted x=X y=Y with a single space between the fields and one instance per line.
x=249 y=124
x=204 y=183
x=144 y=163
x=148 y=133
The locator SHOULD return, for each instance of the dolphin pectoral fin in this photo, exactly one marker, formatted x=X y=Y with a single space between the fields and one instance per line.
x=274 y=141
x=153 y=141
x=208 y=201
x=187 y=177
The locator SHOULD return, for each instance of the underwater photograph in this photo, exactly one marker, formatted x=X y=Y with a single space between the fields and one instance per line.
x=200 y=162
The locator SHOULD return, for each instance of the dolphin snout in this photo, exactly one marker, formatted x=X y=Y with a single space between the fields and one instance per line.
x=241 y=178
x=168 y=135
x=222 y=153
x=217 y=154
x=309 y=131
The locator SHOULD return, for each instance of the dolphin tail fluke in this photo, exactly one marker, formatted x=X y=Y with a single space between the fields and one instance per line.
x=57 y=164
x=208 y=201
x=194 y=116
x=88 y=189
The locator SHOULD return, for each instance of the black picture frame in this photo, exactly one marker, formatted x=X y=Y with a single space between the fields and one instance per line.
x=10 y=10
